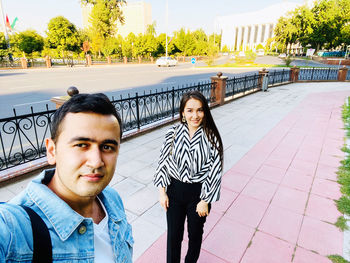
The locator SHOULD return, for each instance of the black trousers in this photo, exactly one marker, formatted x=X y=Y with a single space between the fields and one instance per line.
x=183 y=200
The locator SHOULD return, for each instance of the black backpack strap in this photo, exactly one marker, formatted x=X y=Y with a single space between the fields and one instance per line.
x=42 y=247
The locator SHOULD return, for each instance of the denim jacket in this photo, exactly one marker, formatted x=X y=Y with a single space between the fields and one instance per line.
x=72 y=235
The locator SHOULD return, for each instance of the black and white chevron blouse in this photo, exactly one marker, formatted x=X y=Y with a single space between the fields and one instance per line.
x=193 y=160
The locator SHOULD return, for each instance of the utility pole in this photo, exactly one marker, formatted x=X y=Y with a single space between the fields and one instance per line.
x=166 y=30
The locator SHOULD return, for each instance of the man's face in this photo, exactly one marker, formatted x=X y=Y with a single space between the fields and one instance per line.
x=85 y=154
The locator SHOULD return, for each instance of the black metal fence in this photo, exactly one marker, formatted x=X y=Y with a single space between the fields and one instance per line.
x=242 y=85
x=318 y=74
x=22 y=138
x=279 y=77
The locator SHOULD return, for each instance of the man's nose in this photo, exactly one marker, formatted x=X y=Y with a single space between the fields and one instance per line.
x=94 y=158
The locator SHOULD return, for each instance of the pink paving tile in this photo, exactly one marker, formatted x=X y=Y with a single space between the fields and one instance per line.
x=228 y=240
x=322 y=209
x=265 y=248
x=160 y=243
x=326 y=188
x=278 y=161
x=234 y=181
x=247 y=167
x=297 y=180
x=270 y=173
x=247 y=210
x=308 y=154
x=290 y=199
x=226 y=199
x=153 y=255
x=281 y=223
x=307 y=256
x=326 y=172
x=305 y=166
x=260 y=189
x=330 y=160
x=210 y=222
x=206 y=257
x=324 y=238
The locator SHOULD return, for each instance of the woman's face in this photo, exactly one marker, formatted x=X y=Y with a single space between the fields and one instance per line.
x=193 y=113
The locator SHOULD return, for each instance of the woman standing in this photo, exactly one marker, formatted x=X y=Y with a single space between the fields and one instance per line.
x=189 y=175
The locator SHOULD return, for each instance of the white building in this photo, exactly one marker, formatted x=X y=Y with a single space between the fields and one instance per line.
x=137 y=16
x=248 y=30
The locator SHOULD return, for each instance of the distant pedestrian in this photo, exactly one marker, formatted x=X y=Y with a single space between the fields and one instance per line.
x=189 y=175
x=85 y=218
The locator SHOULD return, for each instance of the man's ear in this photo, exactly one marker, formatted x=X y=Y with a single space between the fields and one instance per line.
x=50 y=151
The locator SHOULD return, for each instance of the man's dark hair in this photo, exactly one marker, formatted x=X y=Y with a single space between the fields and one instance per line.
x=94 y=103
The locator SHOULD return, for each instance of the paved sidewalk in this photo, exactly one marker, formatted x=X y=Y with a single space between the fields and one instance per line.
x=282 y=148
x=277 y=201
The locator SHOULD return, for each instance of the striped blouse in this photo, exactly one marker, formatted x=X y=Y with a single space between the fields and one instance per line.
x=193 y=160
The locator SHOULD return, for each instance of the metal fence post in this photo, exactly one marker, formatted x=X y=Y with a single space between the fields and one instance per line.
x=137 y=111
x=173 y=102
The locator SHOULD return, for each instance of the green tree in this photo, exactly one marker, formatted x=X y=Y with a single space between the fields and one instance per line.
x=185 y=42
x=103 y=18
x=286 y=32
x=201 y=43
x=63 y=36
x=30 y=41
x=128 y=46
x=3 y=46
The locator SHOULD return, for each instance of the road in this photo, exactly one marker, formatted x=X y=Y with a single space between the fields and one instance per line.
x=21 y=89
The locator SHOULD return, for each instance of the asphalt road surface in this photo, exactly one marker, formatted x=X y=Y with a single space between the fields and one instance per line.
x=21 y=89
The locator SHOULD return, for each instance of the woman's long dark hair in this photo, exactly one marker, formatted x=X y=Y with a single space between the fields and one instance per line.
x=208 y=123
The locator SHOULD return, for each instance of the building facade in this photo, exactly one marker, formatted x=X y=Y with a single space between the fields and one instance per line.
x=246 y=31
x=137 y=16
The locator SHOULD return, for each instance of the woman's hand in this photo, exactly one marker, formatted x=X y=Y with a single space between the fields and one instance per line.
x=163 y=198
x=202 y=208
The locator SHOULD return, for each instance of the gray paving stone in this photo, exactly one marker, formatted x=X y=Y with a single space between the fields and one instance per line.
x=150 y=157
x=128 y=187
x=6 y=194
x=144 y=176
x=117 y=178
x=131 y=217
x=129 y=167
x=142 y=200
x=156 y=215
x=145 y=234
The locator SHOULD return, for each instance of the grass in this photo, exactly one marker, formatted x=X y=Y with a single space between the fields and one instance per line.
x=337 y=259
x=343 y=203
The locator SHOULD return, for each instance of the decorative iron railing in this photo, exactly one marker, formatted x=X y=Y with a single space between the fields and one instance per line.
x=279 y=76
x=22 y=138
x=145 y=109
x=242 y=85
x=318 y=74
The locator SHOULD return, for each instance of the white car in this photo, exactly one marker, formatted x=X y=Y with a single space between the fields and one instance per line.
x=283 y=55
x=166 y=61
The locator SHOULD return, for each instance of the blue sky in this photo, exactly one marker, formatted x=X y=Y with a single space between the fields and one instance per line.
x=191 y=14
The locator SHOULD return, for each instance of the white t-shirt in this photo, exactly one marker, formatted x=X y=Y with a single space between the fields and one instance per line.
x=102 y=241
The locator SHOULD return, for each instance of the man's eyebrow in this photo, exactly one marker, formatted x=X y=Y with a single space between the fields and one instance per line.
x=84 y=139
